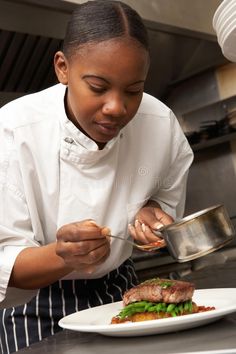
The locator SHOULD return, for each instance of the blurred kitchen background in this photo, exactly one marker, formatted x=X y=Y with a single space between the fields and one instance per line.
x=188 y=72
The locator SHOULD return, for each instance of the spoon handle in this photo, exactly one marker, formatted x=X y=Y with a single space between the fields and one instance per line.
x=145 y=248
x=125 y=240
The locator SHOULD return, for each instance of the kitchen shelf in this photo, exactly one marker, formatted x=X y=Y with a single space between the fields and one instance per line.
x=214 y=141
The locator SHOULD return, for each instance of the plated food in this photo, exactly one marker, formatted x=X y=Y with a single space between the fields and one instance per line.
x=158 y=298
x=98 y=319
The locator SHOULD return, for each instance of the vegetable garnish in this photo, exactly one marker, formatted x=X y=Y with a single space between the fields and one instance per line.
x=146 y=306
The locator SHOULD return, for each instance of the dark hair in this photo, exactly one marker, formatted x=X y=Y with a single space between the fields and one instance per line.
x=97 y=21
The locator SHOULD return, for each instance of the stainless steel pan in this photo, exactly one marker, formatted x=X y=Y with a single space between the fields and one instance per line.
x=198 y=234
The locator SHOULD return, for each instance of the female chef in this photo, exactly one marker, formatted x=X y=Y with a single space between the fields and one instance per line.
x=91 y=155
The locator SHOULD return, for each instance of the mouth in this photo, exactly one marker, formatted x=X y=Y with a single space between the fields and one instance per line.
x=108 y=129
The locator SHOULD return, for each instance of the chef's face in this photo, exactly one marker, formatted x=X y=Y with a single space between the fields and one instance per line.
x=105 y=85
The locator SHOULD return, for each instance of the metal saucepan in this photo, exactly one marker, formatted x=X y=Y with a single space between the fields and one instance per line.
x=198 y=234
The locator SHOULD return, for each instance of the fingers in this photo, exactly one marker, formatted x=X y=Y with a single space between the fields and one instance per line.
x=83 y=245
x=142 y=233
x=80 y=248
x=147 y=216
x=137 y=232
x=163 y=218
x=105 y=231
x=79 y=231
x=148 y=219
x=154 y=217
x=81 y=254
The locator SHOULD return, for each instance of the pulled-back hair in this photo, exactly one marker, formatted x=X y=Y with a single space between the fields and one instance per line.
x=101 y=20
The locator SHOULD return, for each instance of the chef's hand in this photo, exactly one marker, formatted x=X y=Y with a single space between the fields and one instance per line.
x=83 y=245
x=150 y=217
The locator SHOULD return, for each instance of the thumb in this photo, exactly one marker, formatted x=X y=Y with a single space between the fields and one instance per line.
x=153 y=221
x=163 y=218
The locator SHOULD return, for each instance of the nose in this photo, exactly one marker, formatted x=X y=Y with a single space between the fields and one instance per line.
x=114 y=106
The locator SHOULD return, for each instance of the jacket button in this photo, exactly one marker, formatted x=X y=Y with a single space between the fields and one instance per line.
x=69 y=140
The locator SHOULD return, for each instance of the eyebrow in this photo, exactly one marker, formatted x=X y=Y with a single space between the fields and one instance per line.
x=102 y=78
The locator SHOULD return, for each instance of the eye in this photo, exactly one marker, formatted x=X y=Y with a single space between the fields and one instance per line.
x=134 y=92
x=97 y=89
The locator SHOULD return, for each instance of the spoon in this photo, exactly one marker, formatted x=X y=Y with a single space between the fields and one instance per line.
x=150 y=247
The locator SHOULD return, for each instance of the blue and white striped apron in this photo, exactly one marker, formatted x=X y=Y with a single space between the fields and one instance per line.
x=23 y=325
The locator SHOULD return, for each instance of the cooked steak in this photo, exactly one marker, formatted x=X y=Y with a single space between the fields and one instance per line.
x=160 y=290
x=157 y=299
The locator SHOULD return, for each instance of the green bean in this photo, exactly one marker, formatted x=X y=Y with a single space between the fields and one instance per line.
x=146 y=306
x=152 y=309
x=173 y=314
x=186 y=306
x=164 y=306
x=181 y=308
x=170 y=307
x=158 y=307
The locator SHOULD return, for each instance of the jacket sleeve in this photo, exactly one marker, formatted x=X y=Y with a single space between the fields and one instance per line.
x=172 y=193
x=15 y=224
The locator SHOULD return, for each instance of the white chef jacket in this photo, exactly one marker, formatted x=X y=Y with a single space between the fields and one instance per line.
x=51 y=174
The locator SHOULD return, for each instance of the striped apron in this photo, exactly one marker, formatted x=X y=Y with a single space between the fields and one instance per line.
x=23 y=325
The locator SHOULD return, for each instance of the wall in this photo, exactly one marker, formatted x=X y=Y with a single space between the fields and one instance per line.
x=210 y=96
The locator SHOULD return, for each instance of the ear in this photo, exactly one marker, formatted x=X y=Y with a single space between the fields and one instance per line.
x=61 y=67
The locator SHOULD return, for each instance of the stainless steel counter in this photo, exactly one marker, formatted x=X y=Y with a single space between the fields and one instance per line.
x=218 y=337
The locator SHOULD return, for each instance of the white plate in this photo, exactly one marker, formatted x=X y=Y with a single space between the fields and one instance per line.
x=97 y=319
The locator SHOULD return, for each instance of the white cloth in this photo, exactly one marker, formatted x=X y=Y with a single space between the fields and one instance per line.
x=51 y=174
